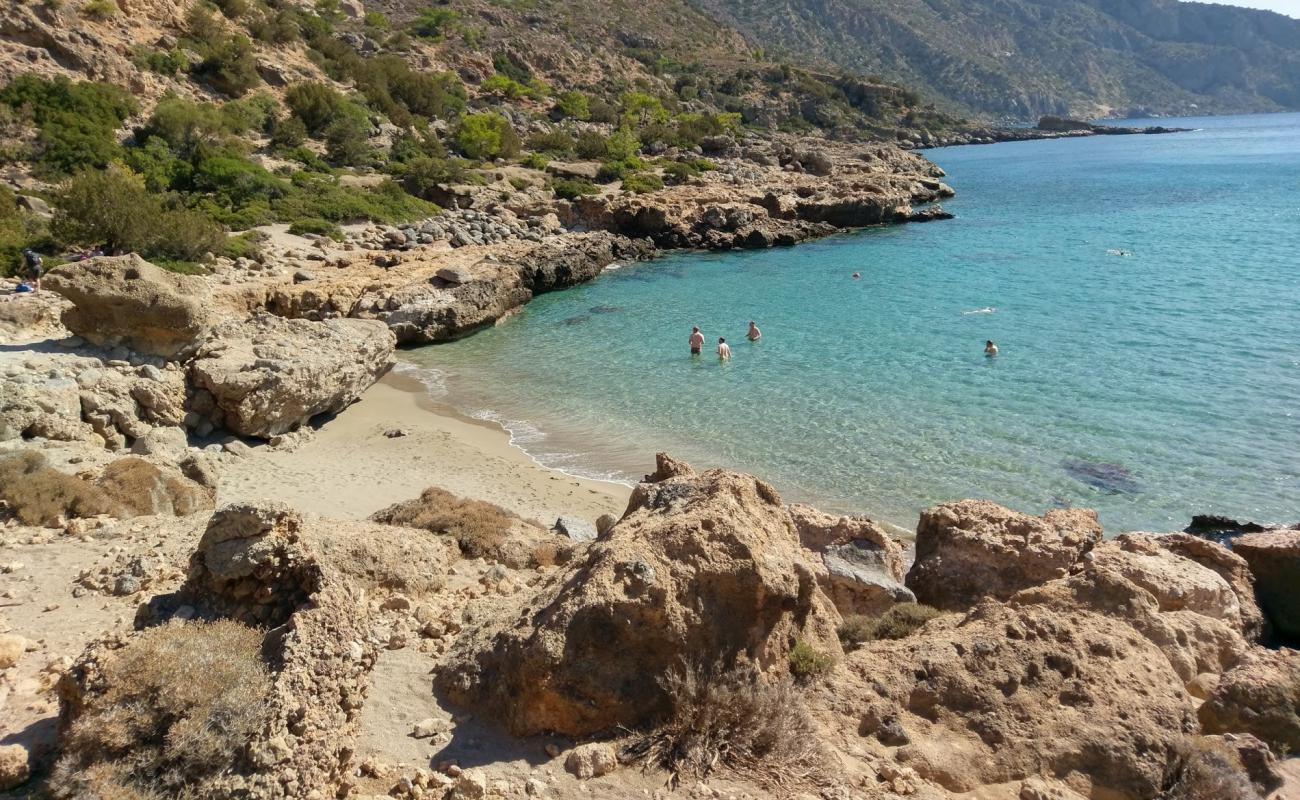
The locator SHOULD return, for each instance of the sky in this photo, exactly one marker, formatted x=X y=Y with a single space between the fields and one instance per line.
x=1289 y=7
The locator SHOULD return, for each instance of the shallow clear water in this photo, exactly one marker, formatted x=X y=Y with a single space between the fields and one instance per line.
x=1149 y=386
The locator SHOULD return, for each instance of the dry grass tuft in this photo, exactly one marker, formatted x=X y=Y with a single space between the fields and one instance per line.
x=179 y=706
x=142 y=489
x=479 y=528
x=898 y=622
x=808 y=662
x=38 y=494
x=737 y=721
x=1203 y=770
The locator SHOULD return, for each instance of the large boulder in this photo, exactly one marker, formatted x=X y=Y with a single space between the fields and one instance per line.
x=125 y=300
x=1008 y=692
x=702 y=570
x=1274 y=559
x=862 y=568
x=1260 y=697
x=267 y=375
x=1226 y=564
x=972 y=549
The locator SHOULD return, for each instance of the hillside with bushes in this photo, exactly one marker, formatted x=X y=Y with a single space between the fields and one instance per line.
x=1020 y=59
x=159 y=126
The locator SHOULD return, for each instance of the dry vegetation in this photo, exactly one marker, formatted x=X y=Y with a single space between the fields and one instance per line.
x=1203 y=770
x=179 y=706
x=133 y=483
x=38 y=494
x=739 y=721
x=479 y=528
x=898 y=622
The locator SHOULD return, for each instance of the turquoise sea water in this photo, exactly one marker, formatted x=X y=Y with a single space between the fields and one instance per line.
x=1149 y=386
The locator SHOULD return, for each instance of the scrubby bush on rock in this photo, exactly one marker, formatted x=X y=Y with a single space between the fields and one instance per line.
x=898 y=622
x=486 y=135
x=178 y=706
x=38 y=494
x=478 y=527
x=78 y=121
x=738 y=721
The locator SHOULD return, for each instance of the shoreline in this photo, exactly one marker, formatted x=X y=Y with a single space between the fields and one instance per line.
x=350 y=469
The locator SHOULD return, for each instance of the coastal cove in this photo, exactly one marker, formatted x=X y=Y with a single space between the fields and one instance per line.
x=1150 y=386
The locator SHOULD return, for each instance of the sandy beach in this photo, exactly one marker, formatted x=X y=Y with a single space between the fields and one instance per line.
x=349 y=469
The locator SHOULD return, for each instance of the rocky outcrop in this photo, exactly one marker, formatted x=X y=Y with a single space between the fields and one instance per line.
x=127 y=301
x=268 y=376
x=1260 y=697
x=1227 y=565
x=862 y=568
x=302 y=585
x=974 y=548
x=89 y=397
x=1274 y=559
x=701 y=569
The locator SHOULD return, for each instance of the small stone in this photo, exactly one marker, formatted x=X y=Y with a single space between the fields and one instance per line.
x=396 y=433
x=591 y=761
x=12 y=647
x=534 y=788
x=552 y=750
x=237 y=448
x=426 y=728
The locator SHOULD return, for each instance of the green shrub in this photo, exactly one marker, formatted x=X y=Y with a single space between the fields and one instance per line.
x=572 y=105
x=572 y=189
x=112 y=207
x=678 y=172
x=233 y=9
x=435 y=23
x=535 y=161
x=229 y=66
x=288 y=133
x=317 y=226
x=377 y=20
x=182 y=124
x=898 y=622
x=77 y=122
x=502 y=86
x=591 y=145
x=315 y=104
x=422 y=175
x=622 y=145
x=806 y=662
x=486 y=135
x=163 y=62
x=275 y=27
x=316 y=197
x=520 y=183
x=100 y=10
x=642 y=182
x=392 y=88
x=231 y=179
x=347 y=142
x=555 y=142
x=254 y=113
x=245 y=245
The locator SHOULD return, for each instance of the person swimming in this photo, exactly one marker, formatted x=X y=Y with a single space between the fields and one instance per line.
x=754 y=334
x=697 y=341
x=724 y=349
x=990 y=349
x=857 y=275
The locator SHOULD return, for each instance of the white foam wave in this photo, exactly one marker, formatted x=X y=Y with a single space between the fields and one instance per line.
x=526 y=436
x=434 y=380
x=984 y=310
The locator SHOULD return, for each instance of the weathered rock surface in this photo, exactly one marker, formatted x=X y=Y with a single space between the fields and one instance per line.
x=125 y=300
x=974 y=548
x=1226 y=564
x=1274 y=559
x=268 y=375
x=1260 y=697
x=701 y=569
x=147 y=488
x=862 y=568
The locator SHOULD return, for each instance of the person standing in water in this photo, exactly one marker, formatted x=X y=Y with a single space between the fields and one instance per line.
x=697 y=341
x=724 y=349
x=990 y=349
x=754 y=333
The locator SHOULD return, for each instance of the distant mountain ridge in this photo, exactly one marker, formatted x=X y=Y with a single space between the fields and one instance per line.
x=1019 y=59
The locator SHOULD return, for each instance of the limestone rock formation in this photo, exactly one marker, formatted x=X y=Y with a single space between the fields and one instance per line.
x=701 y=569
x=1228 y=565
x=862 y=567
x=1260 y=697
x=974 y=548
x=125 y=300
x=267 y=376
x=1274 y=559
